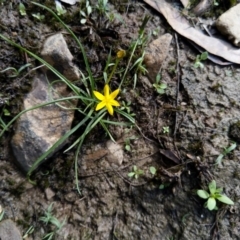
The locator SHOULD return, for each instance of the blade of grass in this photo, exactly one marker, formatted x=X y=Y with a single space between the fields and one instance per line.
x=37 y=106
x=92 y=83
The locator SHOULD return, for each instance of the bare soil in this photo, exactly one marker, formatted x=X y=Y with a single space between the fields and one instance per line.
x=198 y=112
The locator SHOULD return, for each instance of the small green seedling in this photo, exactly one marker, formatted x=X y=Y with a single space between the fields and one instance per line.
x=164 y=185
x=86 y=14
x=159 y=87
x=225 y=152
x=156 y=32
x=136 y=172
x=1 y=213
x=126 y=106
x=60 y=9
x=38 y=16
x=127 y=143
x=166 y=130
x=200 y=58
x=22 y=9
x=28 y=232
x=49 y=218
x=6 y=112
x=102 y=7
x=15 y=71
x=153 y=170
x=215 y=194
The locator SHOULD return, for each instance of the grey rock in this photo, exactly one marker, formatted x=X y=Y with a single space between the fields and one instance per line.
x=156 y=54
x=56 y=53
x=39 y=129
x=9 y=231
x=229 y=24
x=49 y=193
x=115 y=153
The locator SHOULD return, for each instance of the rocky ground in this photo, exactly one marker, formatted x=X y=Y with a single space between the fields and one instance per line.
x=181 y=133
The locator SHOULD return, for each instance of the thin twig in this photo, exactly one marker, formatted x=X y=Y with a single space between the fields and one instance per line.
x=177 y=95
x=178 y=84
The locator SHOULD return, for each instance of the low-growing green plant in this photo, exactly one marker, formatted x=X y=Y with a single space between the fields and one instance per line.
x=153 y=170
x=22 y=9
x=127 y=143
x=156 y=31
x=38 y=16
x=166 y=130
x=60 y=10
x=141 y=41
x=136 y=172
x=225 y=152
x=48 y=218
x=85 y=14
x=1 y=213
x=159 y=87
x=126 y=106
x=214 y=195
x=102 y=7
x=28 y=232
x=15 y=72
x=215 y=3
x=198 y=62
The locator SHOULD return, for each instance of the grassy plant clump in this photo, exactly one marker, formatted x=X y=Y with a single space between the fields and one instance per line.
x=159 y=86
x=97 y=107
x=48 y=218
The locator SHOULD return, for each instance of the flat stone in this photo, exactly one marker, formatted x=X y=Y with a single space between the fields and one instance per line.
x=229 y=24
x=9 y=231
x=156 y=54
x=49 y=193
x=39 y=129
x=55 y=51
x=115 y=152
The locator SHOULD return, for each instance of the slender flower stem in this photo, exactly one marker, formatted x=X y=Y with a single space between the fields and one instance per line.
x=113 y=70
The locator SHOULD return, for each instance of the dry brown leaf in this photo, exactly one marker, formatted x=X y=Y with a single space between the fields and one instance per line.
x=182 y=26
x=172 y=155
x=185 y=3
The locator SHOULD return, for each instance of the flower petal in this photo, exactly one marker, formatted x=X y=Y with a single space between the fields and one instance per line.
x=106 y=90
x=114 y=103
x=98 y=95
x=109 y=108
x=114 y=94
x=100 y=105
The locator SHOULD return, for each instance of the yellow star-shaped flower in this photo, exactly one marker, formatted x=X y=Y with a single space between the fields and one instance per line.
x=107 y=100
